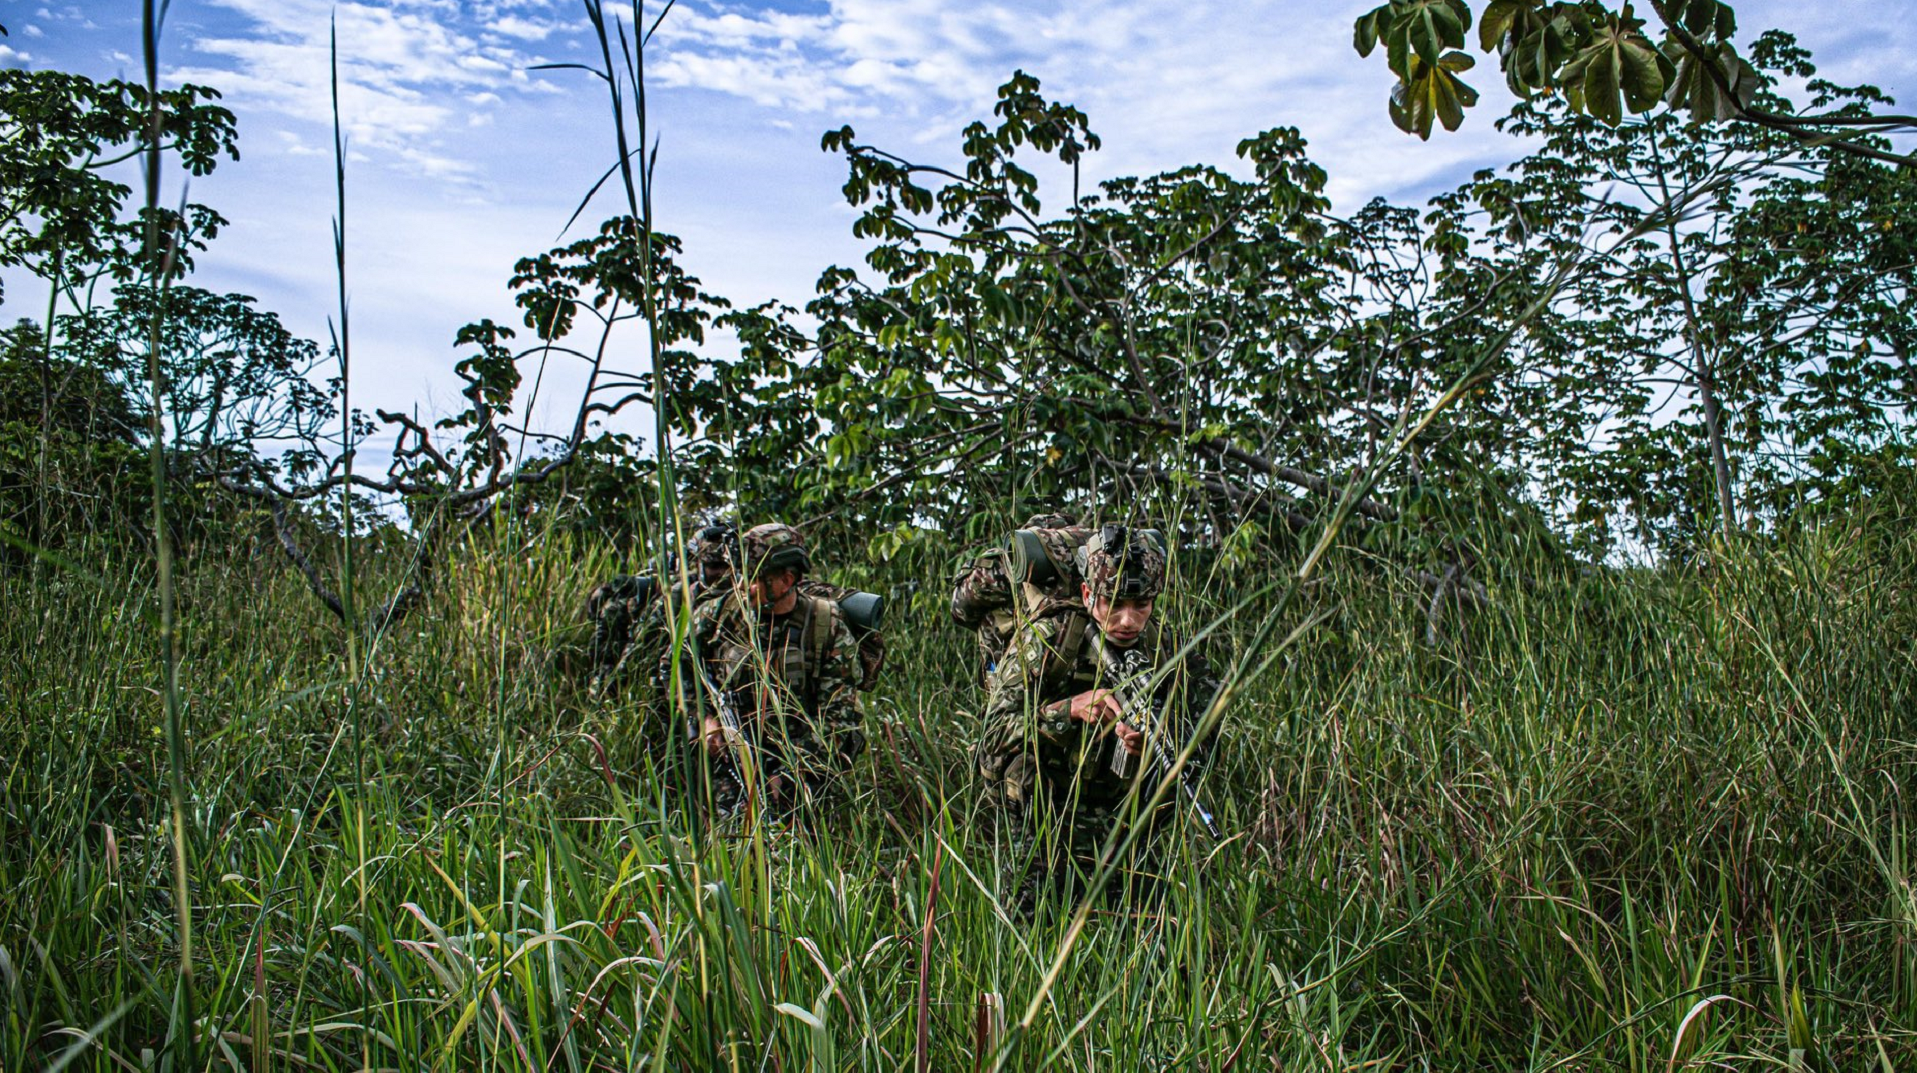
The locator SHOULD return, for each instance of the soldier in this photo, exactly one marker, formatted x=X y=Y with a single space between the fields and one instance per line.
x=984 y=598
x=785 y=664
x=1053 y=721
x=628 y=615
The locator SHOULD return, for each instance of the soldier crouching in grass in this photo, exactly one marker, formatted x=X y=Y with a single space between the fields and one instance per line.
x=772 y=680
x=1060 y=752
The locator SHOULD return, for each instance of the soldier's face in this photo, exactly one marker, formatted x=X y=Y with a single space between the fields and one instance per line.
x=1121 y=621
x=771 y=588
x=714 y=571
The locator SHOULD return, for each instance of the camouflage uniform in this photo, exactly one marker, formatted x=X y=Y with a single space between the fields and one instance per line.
x=1040 y=764
x=628 y=615
x=793 y=676
x=983 y=596
x=870 y=648
x=982 y=601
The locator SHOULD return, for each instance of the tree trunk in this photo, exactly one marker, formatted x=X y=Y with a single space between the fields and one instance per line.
x=1703 y=368
x=1714 y=433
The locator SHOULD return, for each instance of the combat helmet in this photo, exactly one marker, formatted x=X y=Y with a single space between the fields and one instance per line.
x=1122 y=563
x=1051 y=520
x=773 y=546
x=716 y=543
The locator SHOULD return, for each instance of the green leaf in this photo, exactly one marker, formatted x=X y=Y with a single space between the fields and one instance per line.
x=1433 y=92
x=1697 y=16
x=1693 y=89
x=1500 y=17
x=1427 y=27
x=1539 y=53
x=1369 y=27
x=1619 y=62
x=1645 y=73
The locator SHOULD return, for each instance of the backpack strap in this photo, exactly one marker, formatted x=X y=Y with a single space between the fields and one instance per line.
x=817 y=635
x=1071 y=641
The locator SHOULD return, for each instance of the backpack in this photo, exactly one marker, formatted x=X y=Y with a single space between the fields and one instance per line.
x=1033 y=575
x=864 y=614
x=617 y=607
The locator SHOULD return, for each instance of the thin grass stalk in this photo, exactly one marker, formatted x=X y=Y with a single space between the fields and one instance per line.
x=343 y=342
x=671 y=526
x=153 y=17
x=46 y=395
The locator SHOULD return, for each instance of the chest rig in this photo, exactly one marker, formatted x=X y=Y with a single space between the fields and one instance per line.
x=781 y=670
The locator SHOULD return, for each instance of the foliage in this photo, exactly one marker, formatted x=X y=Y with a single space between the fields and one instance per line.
x=62 y=216
x=1190 y=332
x=234 y=378
x=236 y=387
x=608 y=491
x=70 y=443
x=1486 y=856
x=1737 y=359
x=74 y=437
x=1600 y=61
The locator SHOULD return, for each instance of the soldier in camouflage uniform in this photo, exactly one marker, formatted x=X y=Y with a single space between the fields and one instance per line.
x=789 y=663
x=628 y=614
x=984 y=598
x=1051 y=722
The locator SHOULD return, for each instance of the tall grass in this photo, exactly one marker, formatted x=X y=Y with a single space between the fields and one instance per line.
x=1550 y=842
x=159 y=263
x=1641 y=820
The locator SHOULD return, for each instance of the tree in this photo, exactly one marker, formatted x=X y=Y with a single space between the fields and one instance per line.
x=235 y=380
x=1216 y=351
x=1734 y=356
x=61 y=216
x=64 y=219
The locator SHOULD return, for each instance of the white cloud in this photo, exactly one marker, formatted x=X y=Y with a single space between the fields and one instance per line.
x=404 y=66
x=33 y=30
x=13 y=57
x=1167 y=82
x=523 y=28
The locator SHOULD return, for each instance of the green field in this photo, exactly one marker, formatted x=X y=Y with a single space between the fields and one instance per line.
x=1614 y=819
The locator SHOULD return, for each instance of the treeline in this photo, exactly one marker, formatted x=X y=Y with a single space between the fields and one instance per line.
x=1674 y=331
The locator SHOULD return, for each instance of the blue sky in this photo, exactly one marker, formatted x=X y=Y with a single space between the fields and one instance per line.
x=463 y=159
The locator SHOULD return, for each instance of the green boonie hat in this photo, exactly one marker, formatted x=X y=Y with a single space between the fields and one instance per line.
x=1121 y=563
x=773 y=546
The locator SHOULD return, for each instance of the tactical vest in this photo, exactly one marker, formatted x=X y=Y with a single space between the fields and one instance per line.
x=793 y=656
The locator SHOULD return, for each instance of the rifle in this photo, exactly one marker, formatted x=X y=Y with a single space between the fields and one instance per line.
x=1140 y=714
x=725 y=702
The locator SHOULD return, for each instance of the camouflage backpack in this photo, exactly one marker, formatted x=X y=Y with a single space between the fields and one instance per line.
x=1037 y=574
x=864 y=614
x=1031 y=576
